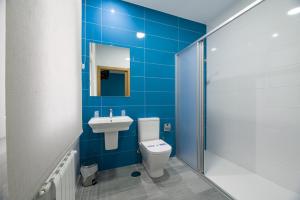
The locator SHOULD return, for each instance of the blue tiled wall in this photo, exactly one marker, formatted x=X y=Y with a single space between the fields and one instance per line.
x=152 y=73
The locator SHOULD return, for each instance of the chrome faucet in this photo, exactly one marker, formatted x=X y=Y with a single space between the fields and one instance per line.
x=110 y=113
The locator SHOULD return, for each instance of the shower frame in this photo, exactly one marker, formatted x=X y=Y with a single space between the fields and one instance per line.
x=201 y=96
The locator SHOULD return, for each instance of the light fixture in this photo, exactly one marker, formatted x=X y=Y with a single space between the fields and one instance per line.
x=112 y=10
x=275 y=35
x=140 y=35
x=213 y=49
x=294 y=11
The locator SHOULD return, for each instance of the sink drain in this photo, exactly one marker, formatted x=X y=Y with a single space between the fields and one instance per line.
x=135 y=174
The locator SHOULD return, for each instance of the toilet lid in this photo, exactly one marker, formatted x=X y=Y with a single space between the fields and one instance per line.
x=156 y=146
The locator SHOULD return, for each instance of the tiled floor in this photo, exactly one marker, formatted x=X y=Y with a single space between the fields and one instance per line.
x=178 y=183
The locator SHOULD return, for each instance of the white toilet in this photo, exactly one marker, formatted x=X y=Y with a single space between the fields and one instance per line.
x=155 y=152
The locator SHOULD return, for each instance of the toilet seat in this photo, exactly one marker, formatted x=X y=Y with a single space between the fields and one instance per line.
x=156 y=146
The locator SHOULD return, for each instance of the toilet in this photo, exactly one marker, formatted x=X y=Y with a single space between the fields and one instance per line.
x=155 y=152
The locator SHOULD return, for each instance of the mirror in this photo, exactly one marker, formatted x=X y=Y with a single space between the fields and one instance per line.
x=109 y=70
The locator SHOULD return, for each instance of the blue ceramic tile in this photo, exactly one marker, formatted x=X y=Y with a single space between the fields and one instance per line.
x=183 y=45
x=137 y=84
x=90 y=148
x=160 y=98
x=135 y=111
x=84 y=114
x=85 y=94
x=160 y=17
x=83 y=49
x=162 y=44
x=112 y=101
x=110 y=161
x=93 y=31
x=191 y=25
x=93 y=100
x=137 y=54
x=162 y=30
x=121 y=37
x=93 y=15
x=173 y=153
x=137 y=69
x=158 y=84
x=83 y=30
x=158 y=57
x=135 y=98
x=189 y=36
x=170 y=138
x=160 y=111
x=122 y=21
x=123 y=7
x=83 y=9
x=86 y=47
x=85 y=81
x=162 y=71
x=95 y=3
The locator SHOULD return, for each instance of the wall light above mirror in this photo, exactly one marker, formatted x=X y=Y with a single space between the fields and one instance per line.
x=109 y=70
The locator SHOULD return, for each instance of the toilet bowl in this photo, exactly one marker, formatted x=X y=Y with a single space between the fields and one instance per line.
x=155 y=152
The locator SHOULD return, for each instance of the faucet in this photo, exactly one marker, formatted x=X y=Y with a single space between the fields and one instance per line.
x=110 y=113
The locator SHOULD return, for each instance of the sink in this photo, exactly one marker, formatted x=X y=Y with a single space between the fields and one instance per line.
x=110 y=126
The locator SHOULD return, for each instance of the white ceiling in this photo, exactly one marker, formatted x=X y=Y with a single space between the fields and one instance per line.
x=204 y=11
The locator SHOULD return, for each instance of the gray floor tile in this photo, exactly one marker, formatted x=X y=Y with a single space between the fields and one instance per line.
x=178 y=183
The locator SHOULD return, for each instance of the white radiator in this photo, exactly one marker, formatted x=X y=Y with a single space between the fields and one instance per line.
x=61 y=183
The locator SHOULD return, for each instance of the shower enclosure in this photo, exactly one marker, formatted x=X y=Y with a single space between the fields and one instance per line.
x=238 y=105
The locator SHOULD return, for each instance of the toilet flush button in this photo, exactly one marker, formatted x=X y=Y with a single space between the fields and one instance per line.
x=167 y=127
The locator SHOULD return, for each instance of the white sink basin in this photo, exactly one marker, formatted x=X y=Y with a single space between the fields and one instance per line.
x=107 y=124
x=110 y=126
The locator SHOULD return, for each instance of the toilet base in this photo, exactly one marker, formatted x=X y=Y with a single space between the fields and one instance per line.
x=154 y=173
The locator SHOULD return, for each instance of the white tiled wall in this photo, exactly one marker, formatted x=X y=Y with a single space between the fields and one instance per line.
x=253 y=91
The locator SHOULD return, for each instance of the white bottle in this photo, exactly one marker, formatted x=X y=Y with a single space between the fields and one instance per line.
x=123 y=112
x=96 y=113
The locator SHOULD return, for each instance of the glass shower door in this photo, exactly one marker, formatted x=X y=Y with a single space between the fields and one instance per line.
x=188 y=107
